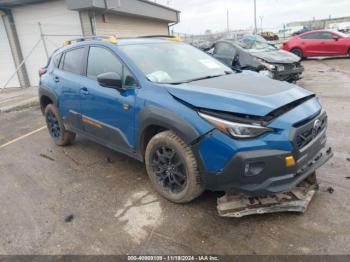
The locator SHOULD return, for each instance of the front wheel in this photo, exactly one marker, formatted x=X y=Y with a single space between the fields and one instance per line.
x=298 y=52
x=172 y=168
x=56 y=128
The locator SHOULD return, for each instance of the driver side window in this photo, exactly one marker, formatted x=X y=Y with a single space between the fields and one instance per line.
x=224 y=49
x=101 y=61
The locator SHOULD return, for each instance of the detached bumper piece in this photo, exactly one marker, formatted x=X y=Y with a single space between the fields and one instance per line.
x=296 y=200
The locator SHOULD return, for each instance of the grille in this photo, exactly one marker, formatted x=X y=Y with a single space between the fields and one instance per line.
x=289 y=67
x=310 y=131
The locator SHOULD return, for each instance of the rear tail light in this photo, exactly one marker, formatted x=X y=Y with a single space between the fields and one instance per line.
x=42 y=71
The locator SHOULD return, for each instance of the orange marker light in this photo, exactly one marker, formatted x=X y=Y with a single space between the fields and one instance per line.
x=290 y=161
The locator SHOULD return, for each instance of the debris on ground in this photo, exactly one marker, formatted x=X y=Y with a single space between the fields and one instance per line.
x=109 y=160
x=330 y=190
x=71 y=158
x=348 y=159
x=47 y=157
x=348 y=177
x=69 y=218
x=297 y=200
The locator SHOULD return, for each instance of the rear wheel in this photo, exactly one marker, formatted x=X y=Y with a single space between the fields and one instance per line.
x=349 y=52
x=172 y=168
x=298 y=52
x=56 y=128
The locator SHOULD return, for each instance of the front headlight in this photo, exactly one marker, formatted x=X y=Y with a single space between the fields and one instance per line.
x=280 y=68
x=266 y=64
x=235 y=129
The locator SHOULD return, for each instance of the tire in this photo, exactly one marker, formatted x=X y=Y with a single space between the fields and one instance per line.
x=349 y=52
x=298 y=52
x=172 y=168
x=55 y=126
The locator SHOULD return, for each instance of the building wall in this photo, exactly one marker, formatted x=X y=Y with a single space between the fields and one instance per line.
x=85 y=23
x=7 y=65
x=56 y=19
x=320 y=23
x=128 y=26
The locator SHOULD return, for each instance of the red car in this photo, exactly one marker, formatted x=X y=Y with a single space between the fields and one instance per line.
x=319 y=43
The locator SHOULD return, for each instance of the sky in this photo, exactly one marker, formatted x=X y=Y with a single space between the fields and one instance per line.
x=199 y=15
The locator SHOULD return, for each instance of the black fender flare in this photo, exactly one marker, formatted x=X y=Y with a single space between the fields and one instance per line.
x=48 y=93
x=154 y=116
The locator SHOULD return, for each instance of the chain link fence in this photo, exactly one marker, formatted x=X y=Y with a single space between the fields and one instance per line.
x=35 y=49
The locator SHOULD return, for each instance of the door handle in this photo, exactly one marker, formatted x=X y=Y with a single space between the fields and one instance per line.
x=56 y=79
x=84 y=91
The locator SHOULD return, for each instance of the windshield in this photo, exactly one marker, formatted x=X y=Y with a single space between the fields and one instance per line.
x=255 y=43
x=173 y=62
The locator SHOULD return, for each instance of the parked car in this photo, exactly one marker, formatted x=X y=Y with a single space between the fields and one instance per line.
x=254 y=53
x=193 y=121
x=202 y=44
x=301 y=31
x=269 y=36
x=319 y=43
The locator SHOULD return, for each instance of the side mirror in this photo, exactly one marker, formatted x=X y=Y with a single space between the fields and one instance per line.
x=336 y=38
x=235 y=59
x=110 y=80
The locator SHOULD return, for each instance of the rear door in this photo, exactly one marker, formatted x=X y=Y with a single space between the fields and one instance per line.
x=68 y=79
x=312 y=44
x=225 y=52
x=108 y=114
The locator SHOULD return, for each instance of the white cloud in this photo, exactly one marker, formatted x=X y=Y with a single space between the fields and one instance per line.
x=199 y=15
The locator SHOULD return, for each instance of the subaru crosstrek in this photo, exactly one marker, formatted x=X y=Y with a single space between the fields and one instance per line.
x=196 y=123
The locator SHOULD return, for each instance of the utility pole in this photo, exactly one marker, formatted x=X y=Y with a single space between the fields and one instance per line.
x=261 y=23
x=255 y=26
x=228 y=21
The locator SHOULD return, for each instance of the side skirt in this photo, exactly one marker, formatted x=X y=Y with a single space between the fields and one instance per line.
x=130 y=152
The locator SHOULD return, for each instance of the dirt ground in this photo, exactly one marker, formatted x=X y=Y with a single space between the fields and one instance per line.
x=86 y=199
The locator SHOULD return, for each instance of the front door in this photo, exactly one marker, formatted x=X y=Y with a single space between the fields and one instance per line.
x=335 y=44
x=108 y=114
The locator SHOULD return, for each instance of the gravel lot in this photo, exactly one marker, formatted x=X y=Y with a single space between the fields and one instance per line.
x=86 y=199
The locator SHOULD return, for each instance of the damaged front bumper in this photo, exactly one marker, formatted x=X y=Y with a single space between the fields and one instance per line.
x=293 y=197
x=290 y=73
x=297 y=200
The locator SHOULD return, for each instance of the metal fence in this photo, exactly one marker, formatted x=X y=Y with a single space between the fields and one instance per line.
x=37 y=52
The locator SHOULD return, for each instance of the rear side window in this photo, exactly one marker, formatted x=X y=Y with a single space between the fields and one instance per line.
x=224 y=49
x=326 y=35
x=312 y=36
x=102 y=61
x=73 y=61
x=321 y=35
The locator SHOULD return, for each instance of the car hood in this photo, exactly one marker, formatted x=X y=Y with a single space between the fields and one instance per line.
x=244 y=93
x=278 y=56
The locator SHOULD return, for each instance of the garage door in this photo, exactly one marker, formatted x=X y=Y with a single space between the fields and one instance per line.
x=126 y=26
x=56 y=19
x=7 y=66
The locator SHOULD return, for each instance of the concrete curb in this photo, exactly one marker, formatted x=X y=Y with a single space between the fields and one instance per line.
x=28 y=103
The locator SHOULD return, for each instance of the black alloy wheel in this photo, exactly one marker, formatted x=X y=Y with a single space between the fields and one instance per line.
x=169 y=169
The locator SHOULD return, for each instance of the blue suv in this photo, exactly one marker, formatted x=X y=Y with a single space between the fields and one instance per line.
x=196 y=123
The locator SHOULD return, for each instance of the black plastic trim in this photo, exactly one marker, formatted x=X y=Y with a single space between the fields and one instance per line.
x=152 y=115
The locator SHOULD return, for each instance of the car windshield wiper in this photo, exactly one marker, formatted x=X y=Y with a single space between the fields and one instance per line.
x=200 y=78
